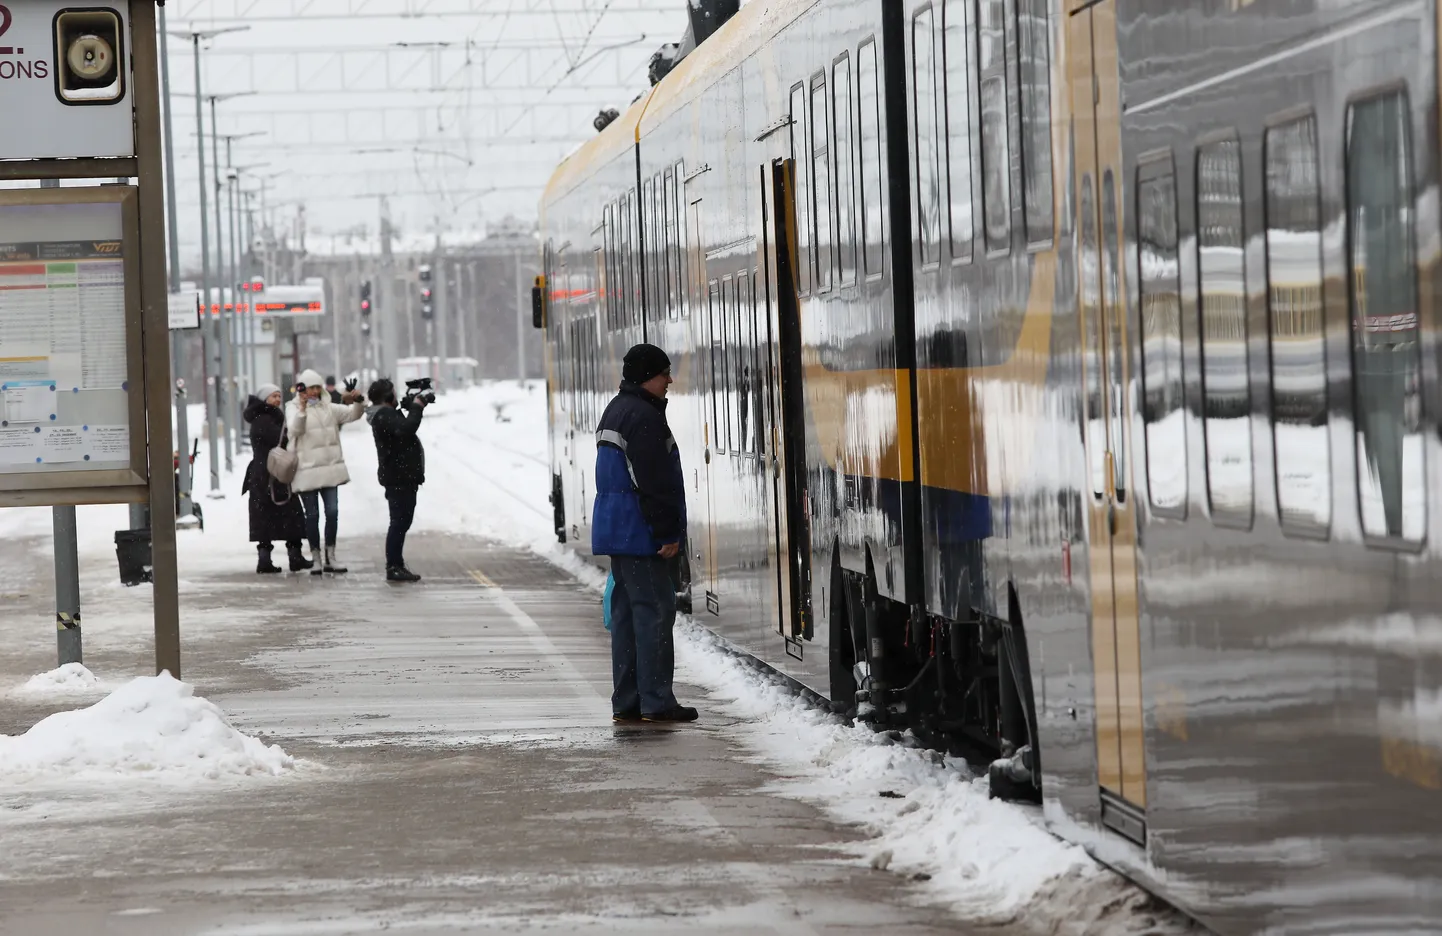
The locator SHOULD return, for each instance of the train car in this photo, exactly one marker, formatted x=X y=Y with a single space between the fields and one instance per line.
x=1058 y=379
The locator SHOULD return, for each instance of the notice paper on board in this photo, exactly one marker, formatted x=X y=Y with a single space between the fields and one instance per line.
x=29 y=405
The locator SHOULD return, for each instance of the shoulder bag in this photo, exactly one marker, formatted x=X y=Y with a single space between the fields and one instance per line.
x=281 y=462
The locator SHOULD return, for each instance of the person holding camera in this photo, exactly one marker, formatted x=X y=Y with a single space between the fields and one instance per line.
x=639 y=520
x=314 y=422
x=401 y=465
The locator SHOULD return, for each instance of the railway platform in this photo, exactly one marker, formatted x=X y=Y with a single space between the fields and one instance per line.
x=456 y=771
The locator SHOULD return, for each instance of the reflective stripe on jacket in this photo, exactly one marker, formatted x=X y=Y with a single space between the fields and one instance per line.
x=640 y=491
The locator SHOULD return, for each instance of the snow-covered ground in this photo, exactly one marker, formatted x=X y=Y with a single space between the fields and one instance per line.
x=487 y=475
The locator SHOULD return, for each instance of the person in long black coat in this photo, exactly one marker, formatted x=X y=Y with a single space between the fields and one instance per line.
x=275 y=513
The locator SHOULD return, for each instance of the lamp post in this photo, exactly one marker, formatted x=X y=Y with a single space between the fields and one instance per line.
x=195 y=35
x=237 y=321
x=226 y=367
x=177 y=342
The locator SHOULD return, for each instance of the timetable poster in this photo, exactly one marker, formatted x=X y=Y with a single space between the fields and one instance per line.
x=64 y=385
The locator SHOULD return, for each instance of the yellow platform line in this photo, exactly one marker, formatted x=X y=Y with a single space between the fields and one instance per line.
x=481 y=578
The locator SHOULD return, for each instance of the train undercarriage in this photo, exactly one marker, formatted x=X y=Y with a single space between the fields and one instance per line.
x=963 y=687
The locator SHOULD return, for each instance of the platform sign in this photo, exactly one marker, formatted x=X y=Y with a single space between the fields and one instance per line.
x=68 y=349
x=83 y=109
x=184 y=308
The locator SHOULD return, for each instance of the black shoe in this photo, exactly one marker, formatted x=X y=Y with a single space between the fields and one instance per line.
x=298 y=561
x=681 y=713
x=264 y=566
x=401 y=574
x=623 y=717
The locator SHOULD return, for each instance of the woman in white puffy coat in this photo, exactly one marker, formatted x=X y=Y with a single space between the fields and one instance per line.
x=314 y=422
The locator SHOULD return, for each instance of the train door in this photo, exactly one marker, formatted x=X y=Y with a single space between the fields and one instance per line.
x=703 y=340
x=1116 y=644
x=787 y=528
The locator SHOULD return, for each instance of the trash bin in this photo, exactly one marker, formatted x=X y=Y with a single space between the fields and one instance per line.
x=132 y=551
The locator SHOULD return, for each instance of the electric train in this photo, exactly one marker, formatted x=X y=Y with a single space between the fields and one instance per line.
x=1058 y=379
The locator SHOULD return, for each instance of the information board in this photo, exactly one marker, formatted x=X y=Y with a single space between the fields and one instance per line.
x=64 y=382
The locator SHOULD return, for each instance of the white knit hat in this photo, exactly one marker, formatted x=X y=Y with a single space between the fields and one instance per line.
x=310 y=378
x=265 y=390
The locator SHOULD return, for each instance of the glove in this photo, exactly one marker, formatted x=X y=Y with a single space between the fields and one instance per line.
x=351 y=382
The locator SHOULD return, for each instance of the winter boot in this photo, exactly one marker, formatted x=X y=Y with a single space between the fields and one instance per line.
x=265 y=566
x=401 y=574
x=298 y=561
x=330 y=565
x=315 y=560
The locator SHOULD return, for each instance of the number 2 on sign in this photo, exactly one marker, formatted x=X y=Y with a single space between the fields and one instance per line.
x=4 y=19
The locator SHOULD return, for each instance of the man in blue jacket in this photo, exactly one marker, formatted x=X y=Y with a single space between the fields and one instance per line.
x=640 y=522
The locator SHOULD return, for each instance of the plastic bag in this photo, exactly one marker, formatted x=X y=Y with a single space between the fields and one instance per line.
x=606 y=600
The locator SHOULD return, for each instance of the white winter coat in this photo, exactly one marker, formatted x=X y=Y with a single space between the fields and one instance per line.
x=315 y=440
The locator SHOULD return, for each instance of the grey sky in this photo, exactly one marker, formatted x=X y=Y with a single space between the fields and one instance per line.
x=456 y=108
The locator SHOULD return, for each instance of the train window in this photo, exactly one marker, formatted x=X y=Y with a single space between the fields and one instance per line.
x=995 y=146
x=926 y=138
x=741 y=363
x=608 y=239
x=1295 y=310
x=678 y=240
x=728 y=356
x=1033 y=32
x=957 y=95
x=800 y=153
x=1161 y=301
x=844 y=146
x=1226 y=388
x=623 y=239
x=873 y=235
x=667 y=244
x=600 y=256
x=656 y=244
x=718 y=361
x=758 y=374
x=1386 y=337
x=821 y=186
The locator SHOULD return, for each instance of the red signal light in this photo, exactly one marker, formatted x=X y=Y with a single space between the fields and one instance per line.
x=365 y=305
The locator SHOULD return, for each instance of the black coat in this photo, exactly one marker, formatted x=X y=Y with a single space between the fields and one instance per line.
x=400 y=456
x=269 y=521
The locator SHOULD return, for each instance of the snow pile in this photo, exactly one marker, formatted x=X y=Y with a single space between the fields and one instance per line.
x=152 y=726
x=70 y=679
x=931 y=817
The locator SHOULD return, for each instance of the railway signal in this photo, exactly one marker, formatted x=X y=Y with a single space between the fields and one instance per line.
x=428 y=310
x=365 y=307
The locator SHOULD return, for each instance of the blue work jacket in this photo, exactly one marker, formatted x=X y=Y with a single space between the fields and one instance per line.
x=640 y=491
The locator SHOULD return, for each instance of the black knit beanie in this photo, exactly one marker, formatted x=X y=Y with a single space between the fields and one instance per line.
x=643 y=362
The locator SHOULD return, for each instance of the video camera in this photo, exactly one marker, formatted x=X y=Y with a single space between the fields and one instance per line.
x=418 y=390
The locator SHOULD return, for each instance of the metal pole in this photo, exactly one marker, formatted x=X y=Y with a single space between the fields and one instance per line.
x=155 y=335
x=67 y=568
x=177 y=342
x=520 y=319
x=212 y=400
x=466 y=299
x=224 y=369
x=250 y=314
x=232 y=381
x=443 y=317
x=387 y=339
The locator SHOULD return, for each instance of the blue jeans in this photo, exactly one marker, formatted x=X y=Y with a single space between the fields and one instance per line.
x=403 y=511
x=643 y=654
x=330 y=497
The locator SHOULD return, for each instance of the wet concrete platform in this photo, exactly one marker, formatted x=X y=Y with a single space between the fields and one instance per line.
x=461 y=775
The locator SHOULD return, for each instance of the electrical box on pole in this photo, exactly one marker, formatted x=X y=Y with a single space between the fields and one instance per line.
x=85 y=384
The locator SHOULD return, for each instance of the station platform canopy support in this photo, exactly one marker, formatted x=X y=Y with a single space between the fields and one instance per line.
x=85 y=383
